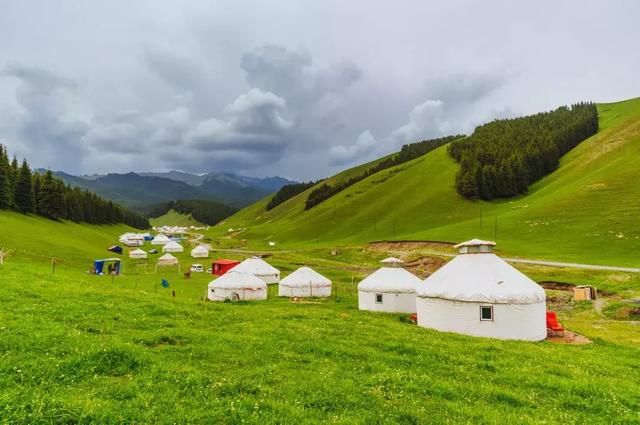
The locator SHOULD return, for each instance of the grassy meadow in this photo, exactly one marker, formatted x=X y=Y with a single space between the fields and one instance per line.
x=77 y=348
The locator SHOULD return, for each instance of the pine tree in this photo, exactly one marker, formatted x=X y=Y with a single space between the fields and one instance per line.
x=23 y=191
x=36 y=192
x=45 y=195
x=5 y=197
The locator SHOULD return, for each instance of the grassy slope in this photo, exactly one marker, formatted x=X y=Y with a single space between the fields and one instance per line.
x=582 y=212
x=40 y=239
x=174 y=218
x=82 y=348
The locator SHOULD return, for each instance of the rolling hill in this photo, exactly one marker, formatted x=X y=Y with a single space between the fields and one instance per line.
x=584 y=211
x=139 y=190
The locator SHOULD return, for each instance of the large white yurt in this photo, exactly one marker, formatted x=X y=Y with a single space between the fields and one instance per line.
x=390 y=288
x=172 y=246
x=160 y=239
x=138 y=254
x=304 y=282
x=259 y=268
x=478 y=293
x=200 y=252
x=237 y=286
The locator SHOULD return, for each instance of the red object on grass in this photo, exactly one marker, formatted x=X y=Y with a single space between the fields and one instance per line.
x=552 y=323
x=220 y=267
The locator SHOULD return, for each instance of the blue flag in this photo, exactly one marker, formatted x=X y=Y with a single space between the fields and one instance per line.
x=165 y=283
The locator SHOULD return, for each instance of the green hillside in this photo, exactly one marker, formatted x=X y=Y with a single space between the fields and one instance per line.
x=584 y=211
x=174 y=218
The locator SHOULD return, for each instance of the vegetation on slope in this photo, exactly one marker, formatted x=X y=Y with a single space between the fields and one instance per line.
x=48 y=196
x=208 y=212
x=584 y=211
x=407 y=153
x=287 y=192
x=502 y=158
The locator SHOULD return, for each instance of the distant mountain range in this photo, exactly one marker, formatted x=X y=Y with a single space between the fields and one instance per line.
x=143 y=189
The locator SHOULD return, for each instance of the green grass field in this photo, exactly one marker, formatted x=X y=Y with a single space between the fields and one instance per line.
x=586 y=211
x=76 y=348
x=174 y=218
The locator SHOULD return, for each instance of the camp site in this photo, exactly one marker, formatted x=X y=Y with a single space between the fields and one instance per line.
x=319 y=212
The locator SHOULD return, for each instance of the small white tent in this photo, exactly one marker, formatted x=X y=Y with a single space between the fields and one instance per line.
x=237 y=286
x=390 y=288
x=160 y=239
x=259 y=268
x=138 y=254
x=200 y=252
x=167 y=260
x=304 y=282
x=477 y=293
x=172 y=246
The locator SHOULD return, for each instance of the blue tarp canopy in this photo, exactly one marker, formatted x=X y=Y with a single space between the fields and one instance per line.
x=98 y=265
x=115 y=248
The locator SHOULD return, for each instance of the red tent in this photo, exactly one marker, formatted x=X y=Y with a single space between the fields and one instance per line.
x=220 y=267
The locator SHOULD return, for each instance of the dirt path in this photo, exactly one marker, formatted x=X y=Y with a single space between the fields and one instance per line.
x=450 y=254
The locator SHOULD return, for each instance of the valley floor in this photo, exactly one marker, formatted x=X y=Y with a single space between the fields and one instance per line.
x=81 y=348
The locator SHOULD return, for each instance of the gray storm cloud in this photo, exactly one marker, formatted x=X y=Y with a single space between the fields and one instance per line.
x=277 y=88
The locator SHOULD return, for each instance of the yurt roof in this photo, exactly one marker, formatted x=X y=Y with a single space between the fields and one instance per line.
x=161 y=237
x=200 y=250
x=390 y=279
x=392 y=261
x=172 y=244
x=475 y=242
x=303 y=277
x=138 y=251
x=481 y=278
x=238 y=280
x=167 y=257
x=256 y=266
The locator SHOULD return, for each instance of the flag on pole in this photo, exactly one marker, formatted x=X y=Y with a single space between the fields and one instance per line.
x=165 y=283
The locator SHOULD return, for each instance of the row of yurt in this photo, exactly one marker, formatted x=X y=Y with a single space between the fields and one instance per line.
x=241 y=282
x=477 y=293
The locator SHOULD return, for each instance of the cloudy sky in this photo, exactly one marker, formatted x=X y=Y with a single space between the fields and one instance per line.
x=293 y=88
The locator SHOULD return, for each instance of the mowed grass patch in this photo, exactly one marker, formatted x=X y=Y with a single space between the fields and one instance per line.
x=80 y=348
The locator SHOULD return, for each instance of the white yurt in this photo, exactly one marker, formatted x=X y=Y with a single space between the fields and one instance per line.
x=478 y=293
x=167 y=260
x=259 y=268
x=160 y=239
x=138 y=254
x=390 y=288
x=172 y=246
x=200 y=252
x=237 y=286
x=304 y=282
